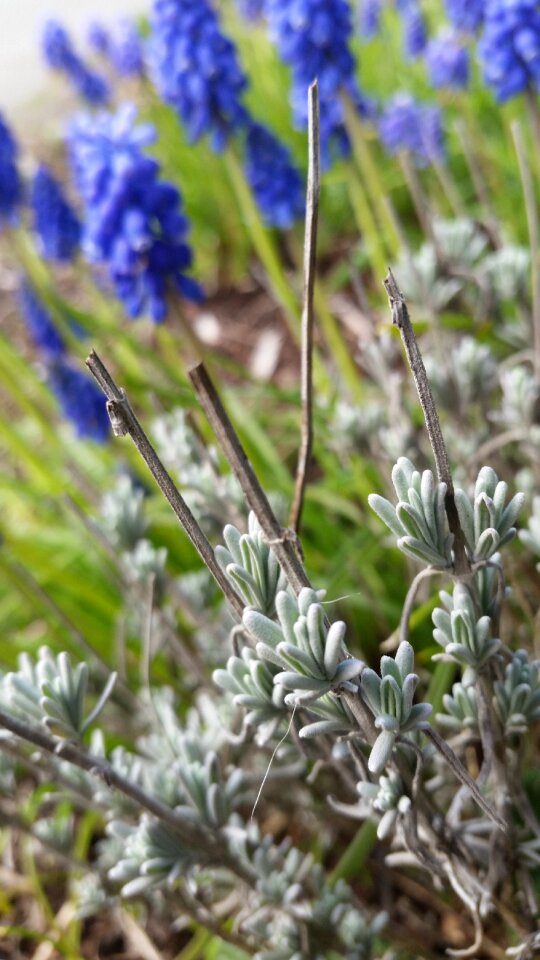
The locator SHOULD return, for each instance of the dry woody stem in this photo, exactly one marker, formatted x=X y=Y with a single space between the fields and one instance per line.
x=282 y=543
x=208 y=845
x=124 y=422
x=400 y=317
x=310 y=257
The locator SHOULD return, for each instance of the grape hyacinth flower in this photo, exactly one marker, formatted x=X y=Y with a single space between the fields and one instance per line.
x=447 y=61
x=54 y=220
x=275 y=181
x=39 y=322
x=414 y=31
x=195 y=68
x=252 y=10
x=312 y=37
x=60 y=54
x=408 y=125
x=369 y=18
x=509 y=47
x=80 y=399
x=134 y=224
x=10 y=184
x=465 y=15
x=125 y=50
x=99 y=38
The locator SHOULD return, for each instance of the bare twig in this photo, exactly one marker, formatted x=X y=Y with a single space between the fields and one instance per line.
x=463 y=775
x=533 y=226
x=124 y=422
x=361 y=714
x=205 y=918
x=400 y=317
x=419 y=280
x=471 y=951
x=257 y=500
x=209 y=845
x=310 y=256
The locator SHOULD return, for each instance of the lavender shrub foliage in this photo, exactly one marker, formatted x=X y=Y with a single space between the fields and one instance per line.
x=292 y=669
x=292 y=703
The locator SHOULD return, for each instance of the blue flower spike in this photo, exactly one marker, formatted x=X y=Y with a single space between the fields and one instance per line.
x=134 y=224
x=39 y=322
x=313 y=38
x=276 y=183
x=509 y=47
x=54 y=220
x=80 y=399
x=60 y=55
x=195 y=68
x=10 y=182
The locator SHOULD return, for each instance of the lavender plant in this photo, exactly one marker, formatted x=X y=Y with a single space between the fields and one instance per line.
x=177 y=826
x=295 y=723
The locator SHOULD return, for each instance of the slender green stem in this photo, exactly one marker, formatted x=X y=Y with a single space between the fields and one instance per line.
x=366 y=224
x=331 y=330
x=352 y=863
x=533 y=224
x=264 y=244
x=370 y=174
x=533 y=111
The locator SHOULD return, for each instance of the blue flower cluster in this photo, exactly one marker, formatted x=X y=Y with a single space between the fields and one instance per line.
x=60 y=55
x=369 y=18
x=275 y=181
x=126 y=52
x=252 y=10
x=39 y=323
x=447 y=61
x=134 y=224
x=99 y=38
x=414 y=30
x=195 y=68
x=10 y=184
x=122 y=48
x=406 y=125
x=465 y=15
x=54 y=220
x=312 y=37
x=81 y=401
x=509 y=47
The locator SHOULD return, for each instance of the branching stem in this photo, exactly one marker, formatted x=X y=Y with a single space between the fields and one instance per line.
x=463 y=775
x=209 y=846
x=232 y=449
x=125 y=422
x=400 y=317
